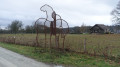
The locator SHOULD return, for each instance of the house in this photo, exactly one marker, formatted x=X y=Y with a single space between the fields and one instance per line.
x=99 y=28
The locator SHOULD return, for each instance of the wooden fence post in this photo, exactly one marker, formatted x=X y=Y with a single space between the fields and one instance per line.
x=85 y=45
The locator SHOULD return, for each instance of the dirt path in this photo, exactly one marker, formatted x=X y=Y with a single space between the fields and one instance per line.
x=12 y=59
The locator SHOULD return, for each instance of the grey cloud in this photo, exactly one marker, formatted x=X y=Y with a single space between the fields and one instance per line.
x=74 y=11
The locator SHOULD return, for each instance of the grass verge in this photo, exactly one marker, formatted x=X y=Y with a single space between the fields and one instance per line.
x=57 y=57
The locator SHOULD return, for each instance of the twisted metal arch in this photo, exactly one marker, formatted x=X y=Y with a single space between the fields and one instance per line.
x=36 y=27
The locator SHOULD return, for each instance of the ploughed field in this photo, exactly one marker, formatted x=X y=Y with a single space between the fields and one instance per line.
x=104 y=45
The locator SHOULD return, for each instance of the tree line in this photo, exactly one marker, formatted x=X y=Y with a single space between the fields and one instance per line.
x=16 y=26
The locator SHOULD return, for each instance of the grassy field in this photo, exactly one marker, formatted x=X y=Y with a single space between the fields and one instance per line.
x=95 y=44
x=57 y=57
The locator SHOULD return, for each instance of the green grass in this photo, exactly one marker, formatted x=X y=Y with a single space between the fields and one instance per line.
x=57 y=57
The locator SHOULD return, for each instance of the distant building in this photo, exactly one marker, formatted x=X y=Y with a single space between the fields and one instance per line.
x=99 y=28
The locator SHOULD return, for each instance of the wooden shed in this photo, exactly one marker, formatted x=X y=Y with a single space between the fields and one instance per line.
x=99 y=28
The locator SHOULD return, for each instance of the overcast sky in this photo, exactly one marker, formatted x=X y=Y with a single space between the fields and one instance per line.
x=75 y=12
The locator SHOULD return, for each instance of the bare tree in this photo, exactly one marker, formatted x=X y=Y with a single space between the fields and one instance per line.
x=116 y=16
x=83 y=28
x=15 y=26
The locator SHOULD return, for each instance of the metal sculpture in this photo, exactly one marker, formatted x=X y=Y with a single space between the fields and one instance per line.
x=58 y=27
